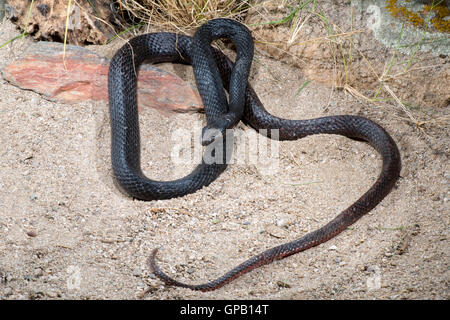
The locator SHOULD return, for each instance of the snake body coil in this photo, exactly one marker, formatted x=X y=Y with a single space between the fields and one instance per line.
x=214 y=72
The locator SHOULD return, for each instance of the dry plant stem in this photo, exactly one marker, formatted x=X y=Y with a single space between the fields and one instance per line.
x=24 y=33
x=65 y=33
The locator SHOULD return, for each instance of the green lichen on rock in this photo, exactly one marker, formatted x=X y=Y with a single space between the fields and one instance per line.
x=440 y=20
x=438 y=11
x=390 y=27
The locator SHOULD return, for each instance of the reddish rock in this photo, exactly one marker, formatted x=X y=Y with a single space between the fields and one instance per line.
x=82 y=75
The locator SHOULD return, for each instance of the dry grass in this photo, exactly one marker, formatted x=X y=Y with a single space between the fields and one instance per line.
x=183 y=15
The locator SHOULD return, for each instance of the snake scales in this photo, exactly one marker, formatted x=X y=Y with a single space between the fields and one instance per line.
x=214 y=72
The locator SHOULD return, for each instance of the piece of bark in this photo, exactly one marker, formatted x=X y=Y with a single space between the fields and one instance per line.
x=80 y=75
x=89 y=22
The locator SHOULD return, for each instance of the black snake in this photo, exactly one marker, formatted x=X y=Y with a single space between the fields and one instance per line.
x=214 y=72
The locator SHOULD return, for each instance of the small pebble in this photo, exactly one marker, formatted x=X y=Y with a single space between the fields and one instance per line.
x=8 y=291
x=371 y=268
x=275 y=231
x=38 y=272
x=282 y=223
x=283 y=284
x=136 y=272
x=52 y=294
x=333 y=247
x=31 y=234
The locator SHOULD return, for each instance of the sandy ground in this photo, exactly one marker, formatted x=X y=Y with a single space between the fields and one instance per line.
x=67 y=232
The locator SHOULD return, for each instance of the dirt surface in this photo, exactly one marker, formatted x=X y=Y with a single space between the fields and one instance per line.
x=66 y=231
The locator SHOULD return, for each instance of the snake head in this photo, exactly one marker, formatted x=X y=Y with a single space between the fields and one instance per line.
x=216 y=129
